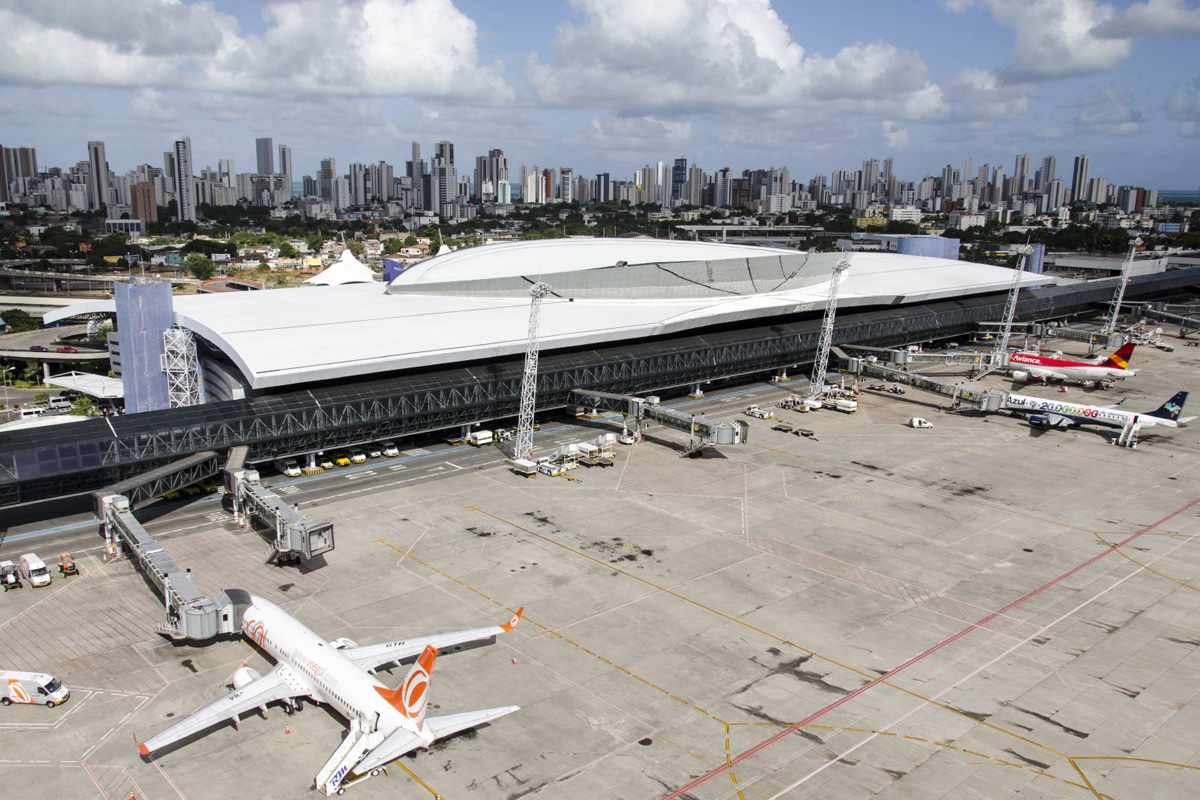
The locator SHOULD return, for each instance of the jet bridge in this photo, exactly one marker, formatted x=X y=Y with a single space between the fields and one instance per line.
x=190 y=614
x=295 y=537
x=701 y=430
x=981 y=400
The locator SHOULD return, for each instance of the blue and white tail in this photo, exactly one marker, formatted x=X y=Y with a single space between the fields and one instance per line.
x=1172 y=408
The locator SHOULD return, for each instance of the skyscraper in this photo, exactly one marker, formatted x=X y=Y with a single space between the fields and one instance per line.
x=443 y=180
x=185 y=190
x=416 y=171
x=358 y=184
x=145 y=205
x=1079 y=179
x=266 y=155
x=326 y=177
x=1021 y=172
x=4 y=175
x=285 y=166
x=97 y=183
x=678 y=178
x=226 y=173
x=1047 y=172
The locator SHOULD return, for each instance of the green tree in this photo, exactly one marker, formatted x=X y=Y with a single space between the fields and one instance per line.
x=199 y=265
x=356 y=247
x=287 y=251
x=410 y=241
x=19 y=321
x=83 y=407
x=392 y=245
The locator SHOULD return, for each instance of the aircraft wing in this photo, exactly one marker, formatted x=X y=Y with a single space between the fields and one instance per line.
x=402 y=740
x=375 y=656
x=258 y=693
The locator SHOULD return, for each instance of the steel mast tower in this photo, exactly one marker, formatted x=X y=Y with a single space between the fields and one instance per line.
x=817 y=382
x=1000 y=350
x=524 y=444
x=182 y=366
x=1111 y=325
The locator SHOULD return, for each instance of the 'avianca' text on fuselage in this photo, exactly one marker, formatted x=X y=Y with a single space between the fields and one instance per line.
x=1025 y=366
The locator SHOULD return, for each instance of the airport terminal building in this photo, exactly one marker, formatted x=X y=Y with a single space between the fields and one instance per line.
x=291 y=372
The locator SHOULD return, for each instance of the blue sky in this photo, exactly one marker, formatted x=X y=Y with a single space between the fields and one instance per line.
x=613 y=84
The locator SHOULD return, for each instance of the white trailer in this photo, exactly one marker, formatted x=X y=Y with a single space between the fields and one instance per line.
x=480 y=438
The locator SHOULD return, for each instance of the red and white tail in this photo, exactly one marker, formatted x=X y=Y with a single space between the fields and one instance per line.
x=412 y=696
x=1120 y=358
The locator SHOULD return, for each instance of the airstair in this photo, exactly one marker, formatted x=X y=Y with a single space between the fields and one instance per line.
x=358 y=742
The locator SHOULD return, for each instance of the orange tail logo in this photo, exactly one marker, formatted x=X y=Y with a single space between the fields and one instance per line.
x=512 y=623
x=411 y=697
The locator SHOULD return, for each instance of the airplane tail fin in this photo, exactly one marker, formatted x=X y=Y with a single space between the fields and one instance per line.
x=411 y=697
x=1119 y=359
x=1172 y=408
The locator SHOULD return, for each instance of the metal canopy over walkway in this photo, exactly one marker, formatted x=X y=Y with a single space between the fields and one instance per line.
x=702 y=431
x=95 y=453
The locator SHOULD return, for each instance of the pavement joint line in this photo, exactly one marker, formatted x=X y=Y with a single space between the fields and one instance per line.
x=547 y=630
x=729 y=759
x=875 y=680
x=418 y=780
x=987 y=665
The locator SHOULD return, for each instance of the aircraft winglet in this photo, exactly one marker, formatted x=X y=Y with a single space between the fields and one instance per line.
x=512 y=623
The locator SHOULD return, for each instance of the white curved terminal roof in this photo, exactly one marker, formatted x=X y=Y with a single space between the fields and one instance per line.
x=280 y=337
x=568 y=255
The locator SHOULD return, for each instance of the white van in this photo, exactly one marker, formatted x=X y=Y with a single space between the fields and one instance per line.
x=34 y=570
x=480 y=438
x=38 y=688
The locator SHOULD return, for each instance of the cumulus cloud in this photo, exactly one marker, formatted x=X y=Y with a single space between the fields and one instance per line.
x=715 y=54
x=1183 y=106
x=1108 y=113
x=638 y=133
x=978 y=95
x=1057 y=38
x=421 y=48
x=895 y=137
x=1152 y=18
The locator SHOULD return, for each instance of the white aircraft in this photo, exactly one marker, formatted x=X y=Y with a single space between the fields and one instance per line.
x=384 y=723
x=1057 y=414
x=1026 y=366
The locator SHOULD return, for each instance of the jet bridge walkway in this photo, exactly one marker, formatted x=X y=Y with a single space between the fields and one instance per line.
x=189 y=613
x=295 y=537
x=702 y=431
x=980 y=400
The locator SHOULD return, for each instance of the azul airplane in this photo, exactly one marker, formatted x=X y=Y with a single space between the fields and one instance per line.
x=1057 y=414
x=384 y=723
x=1026 y=366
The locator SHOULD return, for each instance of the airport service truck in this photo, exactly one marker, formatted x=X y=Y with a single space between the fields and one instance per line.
x=34 y=688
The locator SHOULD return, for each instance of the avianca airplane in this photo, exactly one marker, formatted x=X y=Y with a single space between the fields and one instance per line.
x=1057 y=414
x=384 y=723
x=1025 y=366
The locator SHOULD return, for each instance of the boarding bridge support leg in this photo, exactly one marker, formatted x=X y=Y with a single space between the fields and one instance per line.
x=697 y=393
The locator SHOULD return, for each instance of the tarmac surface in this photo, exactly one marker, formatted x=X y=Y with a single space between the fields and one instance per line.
x=973 y=611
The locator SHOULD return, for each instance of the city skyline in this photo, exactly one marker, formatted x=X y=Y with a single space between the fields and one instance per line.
x=595 y=86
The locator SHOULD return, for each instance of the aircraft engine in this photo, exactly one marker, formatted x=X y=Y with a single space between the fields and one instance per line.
x=244 y=676
x=1020 y=376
